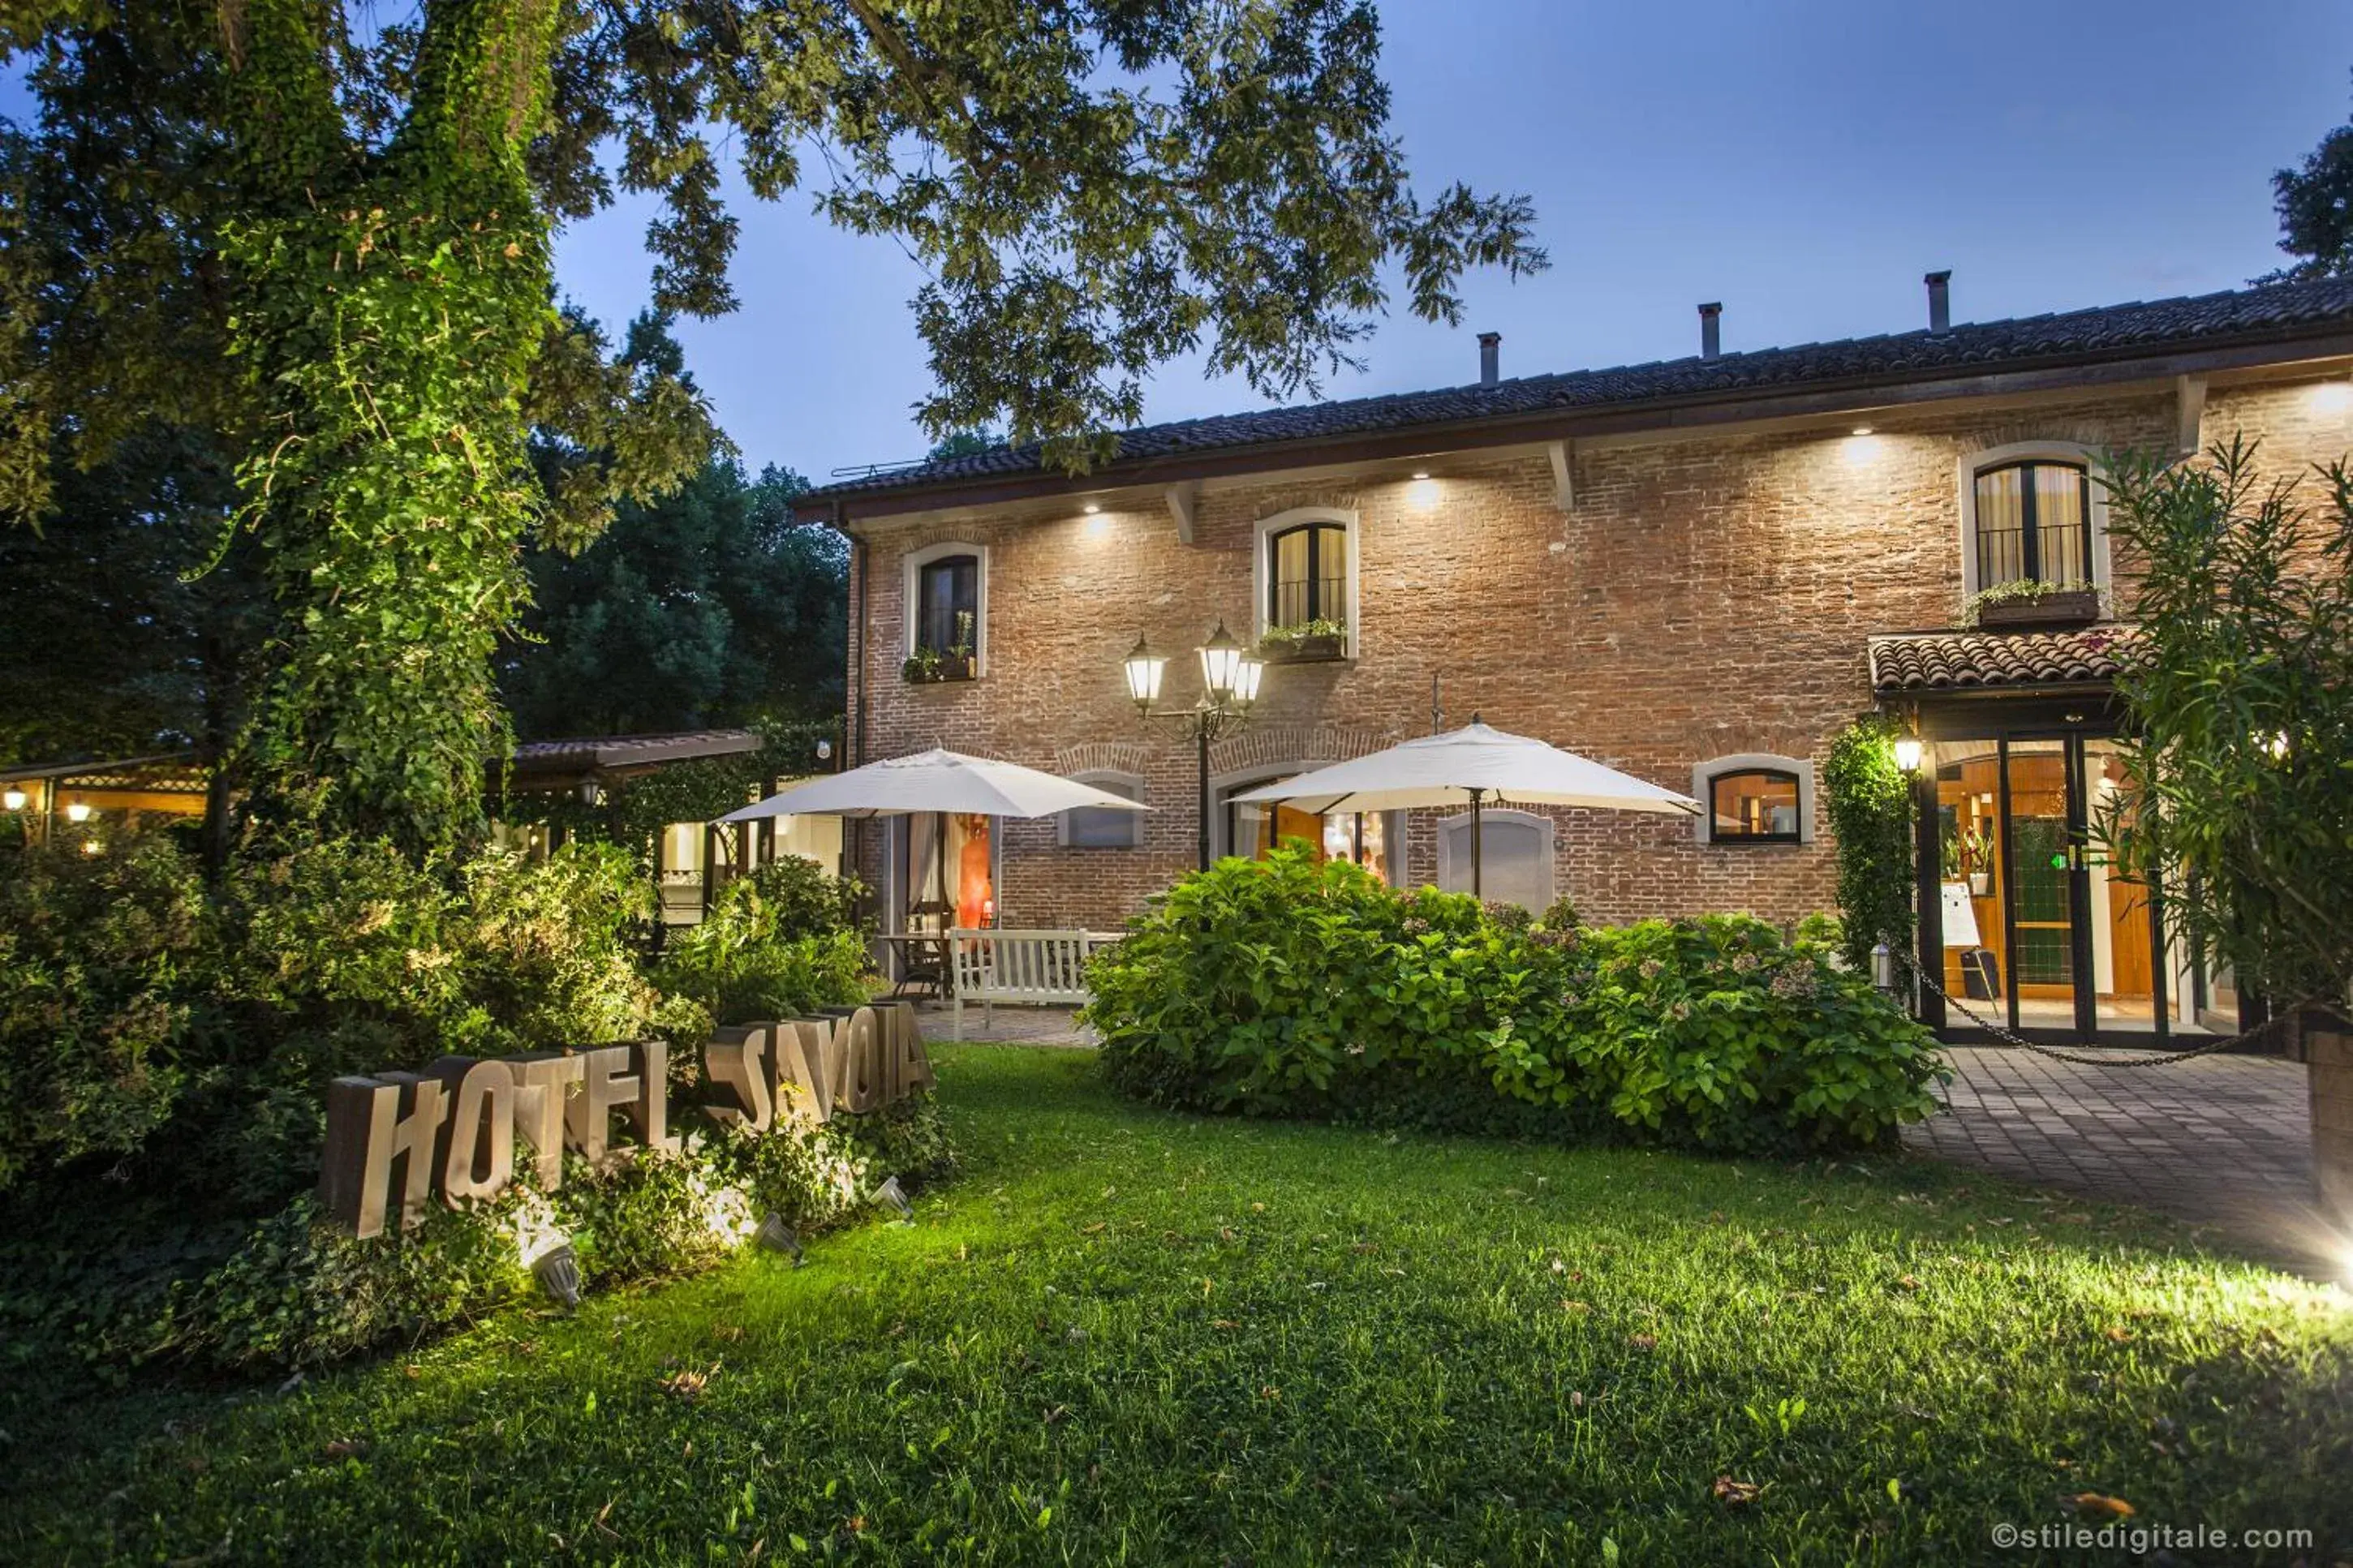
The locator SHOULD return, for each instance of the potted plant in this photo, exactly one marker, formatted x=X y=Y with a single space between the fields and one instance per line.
x=1309 y=642
x=921 y=666
x=2030 y=604
x=927 y=665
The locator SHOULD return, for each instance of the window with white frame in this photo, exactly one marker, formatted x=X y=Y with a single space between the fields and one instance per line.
x=2033 y=513
x=1102 y=826
x=948 y=607
x=1306 y=571
x=1515 y=864
x=1755 y=797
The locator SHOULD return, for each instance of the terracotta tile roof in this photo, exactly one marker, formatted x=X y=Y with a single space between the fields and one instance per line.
x=1966 y=661
x=631 y=751
x=2241 y=315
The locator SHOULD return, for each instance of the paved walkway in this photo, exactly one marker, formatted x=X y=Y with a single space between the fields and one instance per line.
x=2219 y=1140
x=1012 y=1026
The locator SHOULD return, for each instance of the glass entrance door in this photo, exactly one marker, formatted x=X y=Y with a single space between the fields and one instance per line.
x=2040 y=934
x=2041 y=844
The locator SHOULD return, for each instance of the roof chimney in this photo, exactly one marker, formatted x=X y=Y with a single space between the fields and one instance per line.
x=1491 y=356
x=1940 y=302
x=1711 y=331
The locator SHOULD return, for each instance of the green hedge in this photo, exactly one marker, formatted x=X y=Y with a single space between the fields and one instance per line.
x=1286 y=987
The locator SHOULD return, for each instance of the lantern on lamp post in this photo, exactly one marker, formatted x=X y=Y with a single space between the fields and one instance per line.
x=1230 y=674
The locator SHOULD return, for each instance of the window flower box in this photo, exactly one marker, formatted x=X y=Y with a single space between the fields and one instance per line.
x=928 y=667
x=1317 y=642
x=2063 y=607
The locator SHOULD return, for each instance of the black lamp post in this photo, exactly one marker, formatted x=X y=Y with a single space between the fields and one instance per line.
x=1230 y=677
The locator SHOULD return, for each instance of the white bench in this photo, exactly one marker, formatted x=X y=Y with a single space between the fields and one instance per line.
x=1035 y=968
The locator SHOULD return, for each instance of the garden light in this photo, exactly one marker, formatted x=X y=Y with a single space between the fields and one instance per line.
x=1907 y=754
x=1221 y=660
x=77 y=811
x=1144 y=668
x=13 y=799
x=91 y=846
x=775 y=1236
x=558 y=1273
x=891 y=1197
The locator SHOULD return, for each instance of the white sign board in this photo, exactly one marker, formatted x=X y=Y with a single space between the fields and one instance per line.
x=1960 y=917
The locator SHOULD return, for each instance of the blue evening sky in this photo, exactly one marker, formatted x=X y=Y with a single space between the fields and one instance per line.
x=1803 y=162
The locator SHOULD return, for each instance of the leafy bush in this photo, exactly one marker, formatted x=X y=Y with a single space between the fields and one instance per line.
x=804 y=899
x=745 y=960
x=1870 y=807
x=94 y=1008
x=1287 y=987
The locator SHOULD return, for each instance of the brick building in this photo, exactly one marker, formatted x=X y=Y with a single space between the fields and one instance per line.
x=1696 y=571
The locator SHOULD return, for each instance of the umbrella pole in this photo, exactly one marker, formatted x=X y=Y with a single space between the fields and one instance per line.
x=1478 y=845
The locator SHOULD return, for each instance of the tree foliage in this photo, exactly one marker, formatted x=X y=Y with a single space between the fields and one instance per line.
x=2314 y=204
x=2239 y=760
x=354 y=213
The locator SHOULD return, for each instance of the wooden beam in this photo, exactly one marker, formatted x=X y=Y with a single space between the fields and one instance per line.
x=2189 y=411
x=1181 y=507
x=1563 y=474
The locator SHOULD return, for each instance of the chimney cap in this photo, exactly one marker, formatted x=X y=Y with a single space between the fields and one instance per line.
x=1935 y=277
x=1486 y=338
x=1712 y=308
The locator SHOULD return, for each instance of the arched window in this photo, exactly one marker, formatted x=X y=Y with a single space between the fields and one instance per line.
x=1307 y=575
x=1755 y=797
x=2034 y=524
x=947 y=611
x=1100 y=827
x=1514 y=858
x=2033 y=512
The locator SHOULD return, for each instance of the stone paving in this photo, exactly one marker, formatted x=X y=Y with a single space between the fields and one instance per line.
x=1013 y=1026
x=2219 y=1140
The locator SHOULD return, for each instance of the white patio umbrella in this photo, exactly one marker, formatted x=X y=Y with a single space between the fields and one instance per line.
x=936 y=783
x=935 y=780
x=1473 y=766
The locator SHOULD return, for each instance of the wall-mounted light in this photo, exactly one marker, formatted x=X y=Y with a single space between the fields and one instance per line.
x=1908 y=752
x=1862 y=430
x=1091 y=508
x=13 y=799
x=1421 y=473
x=77 y=811
x=2333 y=395
x=825 y=751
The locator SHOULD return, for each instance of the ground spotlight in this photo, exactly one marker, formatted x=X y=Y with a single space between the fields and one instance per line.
x=775 y=1236
x=558 y=1273
x=890 y=1195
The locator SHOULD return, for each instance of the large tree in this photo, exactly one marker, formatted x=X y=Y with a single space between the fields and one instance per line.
x=2314 y=204
x=355 y=215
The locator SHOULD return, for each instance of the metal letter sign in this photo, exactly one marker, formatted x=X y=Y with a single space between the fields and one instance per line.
x=452 y=1129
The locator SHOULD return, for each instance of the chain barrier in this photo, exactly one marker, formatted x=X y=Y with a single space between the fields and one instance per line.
x=2010 y=1037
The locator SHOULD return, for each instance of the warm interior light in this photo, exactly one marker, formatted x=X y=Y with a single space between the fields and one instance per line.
x=1221 y=658
x=78 y=811
x=1144 y=668
x=13 y=799
x=1908 y=752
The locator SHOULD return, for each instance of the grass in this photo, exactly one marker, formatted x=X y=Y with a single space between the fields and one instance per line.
x=1124 y=1336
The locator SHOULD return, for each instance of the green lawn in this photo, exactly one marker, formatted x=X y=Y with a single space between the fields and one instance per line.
x=1126 y=1336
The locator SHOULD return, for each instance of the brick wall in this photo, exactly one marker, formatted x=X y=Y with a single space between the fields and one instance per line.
x=1703 y=597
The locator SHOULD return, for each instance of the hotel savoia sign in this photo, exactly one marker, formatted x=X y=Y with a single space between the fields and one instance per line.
x=397 y=1140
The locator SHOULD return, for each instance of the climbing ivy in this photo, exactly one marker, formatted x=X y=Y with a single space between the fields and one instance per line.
x=1870 y=804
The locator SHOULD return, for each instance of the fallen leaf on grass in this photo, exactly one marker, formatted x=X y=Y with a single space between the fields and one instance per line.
x=2098 y=1505
x=1055 y=1412
x=1270 y=1392
x=1643 y=1341
x=1576 y=1305
x=1907 y=1281
x=1223 y=1324
x=687 y=1384
x=1095 y=1229
x=347 y=1447
x=2121 y=1334
x=1736 y=1494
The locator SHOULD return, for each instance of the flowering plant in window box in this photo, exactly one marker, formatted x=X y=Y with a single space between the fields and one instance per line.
x=1309 y=642
x=928 y=666
x=2029 y=603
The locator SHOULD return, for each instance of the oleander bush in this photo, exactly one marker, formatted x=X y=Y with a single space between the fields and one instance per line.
x=1286 y=987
